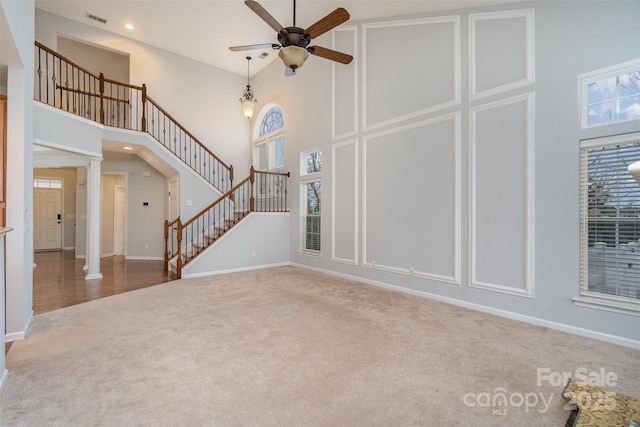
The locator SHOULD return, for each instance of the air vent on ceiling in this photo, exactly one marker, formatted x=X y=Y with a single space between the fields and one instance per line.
x=263 y=55
x=96 y=18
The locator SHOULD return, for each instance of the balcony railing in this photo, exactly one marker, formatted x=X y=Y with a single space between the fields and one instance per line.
x=66 y=85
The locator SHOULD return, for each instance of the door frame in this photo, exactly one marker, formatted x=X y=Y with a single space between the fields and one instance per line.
x=115 y=223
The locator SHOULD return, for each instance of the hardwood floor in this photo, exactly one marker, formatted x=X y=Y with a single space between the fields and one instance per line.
x=58 y=279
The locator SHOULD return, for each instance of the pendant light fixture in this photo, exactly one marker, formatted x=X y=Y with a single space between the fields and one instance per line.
x=247 y=100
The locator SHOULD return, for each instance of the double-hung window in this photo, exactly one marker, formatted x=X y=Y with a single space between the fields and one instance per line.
x=610 y=223
x=310 y=201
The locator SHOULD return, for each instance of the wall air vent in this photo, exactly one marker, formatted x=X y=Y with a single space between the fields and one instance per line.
x=96 y=18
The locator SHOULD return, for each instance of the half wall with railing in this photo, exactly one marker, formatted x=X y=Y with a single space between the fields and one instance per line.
x=261 y=191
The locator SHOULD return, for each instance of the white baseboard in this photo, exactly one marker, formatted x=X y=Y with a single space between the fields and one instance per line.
x=20 y=335
x=144 y=258
x=69 y=248
x=107 y=255
x=233 y=270
x=613 y=339
x=93 y=276
x=80 y=256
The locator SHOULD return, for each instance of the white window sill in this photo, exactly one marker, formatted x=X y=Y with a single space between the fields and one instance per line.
x=608 y=303
x=310 y=253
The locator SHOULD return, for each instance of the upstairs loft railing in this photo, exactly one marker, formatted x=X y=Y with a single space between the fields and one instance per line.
x=66 y=85
x=261 y=191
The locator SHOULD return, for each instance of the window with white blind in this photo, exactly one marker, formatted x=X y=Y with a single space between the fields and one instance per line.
x=310 y=198
x=610 y=222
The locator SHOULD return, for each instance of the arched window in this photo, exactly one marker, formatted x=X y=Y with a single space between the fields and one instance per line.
x=272 y=121
x=268 y=148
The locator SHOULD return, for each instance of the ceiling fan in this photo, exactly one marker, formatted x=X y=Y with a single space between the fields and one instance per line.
x=294 y=41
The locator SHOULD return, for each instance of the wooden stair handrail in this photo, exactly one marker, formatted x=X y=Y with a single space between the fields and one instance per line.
x=145 y=98
x=218 y=200
x=170 y=117
x=64 y=58
x=229 y=193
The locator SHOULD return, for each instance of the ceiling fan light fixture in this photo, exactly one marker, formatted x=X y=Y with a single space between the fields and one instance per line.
x=247 y=100
x=293 y=56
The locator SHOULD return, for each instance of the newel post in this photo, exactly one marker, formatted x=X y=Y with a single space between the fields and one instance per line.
x=101 y=98
x=144 y=108
x=252 y=179
x=179 y=260
x=166 y=245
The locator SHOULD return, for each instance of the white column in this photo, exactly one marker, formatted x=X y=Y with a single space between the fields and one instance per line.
x=93 y=220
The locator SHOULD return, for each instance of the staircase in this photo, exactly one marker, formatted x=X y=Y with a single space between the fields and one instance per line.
x=69 y=87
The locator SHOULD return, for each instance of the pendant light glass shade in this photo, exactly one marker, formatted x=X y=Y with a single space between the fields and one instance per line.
x=247 y=100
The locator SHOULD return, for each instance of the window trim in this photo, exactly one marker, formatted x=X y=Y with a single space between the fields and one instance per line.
x=268 y=139
x=592 y=76
x=303 y=215
x=303 y=164
x=587 y=298
x=305 y=179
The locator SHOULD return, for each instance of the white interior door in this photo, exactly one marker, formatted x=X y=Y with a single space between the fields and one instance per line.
x=47 y=219
x=119 y=220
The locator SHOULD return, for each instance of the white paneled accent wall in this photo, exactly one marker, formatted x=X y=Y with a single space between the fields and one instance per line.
x=501 y=51
x=344 y=223
x=429 y=139
x=344 y=120
x=501 y=185
x=411 y=68
x=411 y=199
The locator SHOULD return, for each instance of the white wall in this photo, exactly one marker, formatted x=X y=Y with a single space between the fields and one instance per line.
x=258 y=242
x=17 y=29
x=456 y=175
x=202 y=98
x=144 y=223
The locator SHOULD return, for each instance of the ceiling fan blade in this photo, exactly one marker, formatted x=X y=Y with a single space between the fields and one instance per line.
x=266 y=16
x=254 y=46
x=333 y=55
x=328 y=23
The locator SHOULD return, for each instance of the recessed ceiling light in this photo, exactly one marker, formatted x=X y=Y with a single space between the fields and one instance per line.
x=129 y=26
x=127 y=148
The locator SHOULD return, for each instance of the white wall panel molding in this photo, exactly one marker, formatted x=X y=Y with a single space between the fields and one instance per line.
x=502 y=196
x=501 y=52
x=345 y=84
x=431 y=61
x=344 y=206
x=416 y=214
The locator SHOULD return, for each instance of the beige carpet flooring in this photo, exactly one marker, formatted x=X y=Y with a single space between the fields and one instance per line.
x=290 y=347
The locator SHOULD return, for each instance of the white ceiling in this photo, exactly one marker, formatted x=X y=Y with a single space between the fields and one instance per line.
x=204 y=29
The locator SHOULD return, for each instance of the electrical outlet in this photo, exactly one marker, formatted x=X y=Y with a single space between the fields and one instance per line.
x=253 y=253
x=146 y=246
x=411 y=271
x=373 y=263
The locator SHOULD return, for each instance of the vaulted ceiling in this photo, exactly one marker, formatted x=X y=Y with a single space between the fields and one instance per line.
x=204 y=29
